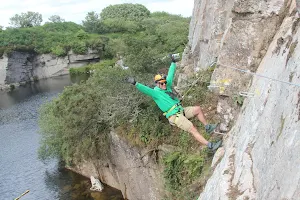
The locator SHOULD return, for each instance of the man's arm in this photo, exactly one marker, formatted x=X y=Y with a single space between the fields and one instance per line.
x=145 y=89
x=171 y=74
x=142 y=88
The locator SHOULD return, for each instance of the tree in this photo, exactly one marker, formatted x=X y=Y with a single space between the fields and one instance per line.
x=56 y=19
x=128 y=11
x=92 y=22
x=1 y=28
x=28 y=19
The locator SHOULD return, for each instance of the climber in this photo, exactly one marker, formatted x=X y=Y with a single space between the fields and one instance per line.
x=167 y=101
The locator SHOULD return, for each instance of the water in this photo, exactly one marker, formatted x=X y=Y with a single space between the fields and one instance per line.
x=20 y=169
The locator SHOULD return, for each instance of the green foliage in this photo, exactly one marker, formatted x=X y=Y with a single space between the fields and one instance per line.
x=150 y=124
x=79 y=47
x=181 y=169
x=113 y=25
x=128 y=11
x=58 y=51
x=76 y=125
x=2 y=50
x=28 y=19
x=196 y=90
x=82 y=35
x=238 y=99
x=66 y=27
x=89 y=68
x=91 y=23
x=12 y=87
x=80 y=70
x=132 y=33
x=56 y=19
x=56 y=38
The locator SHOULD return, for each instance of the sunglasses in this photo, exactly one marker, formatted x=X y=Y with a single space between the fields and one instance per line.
x=162 y=83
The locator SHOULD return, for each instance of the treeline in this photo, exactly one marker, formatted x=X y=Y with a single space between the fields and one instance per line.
x=128 y=30
x=55 y=38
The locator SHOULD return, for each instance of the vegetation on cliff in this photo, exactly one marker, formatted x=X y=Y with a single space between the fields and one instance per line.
x=105 y=32
x=77 y=123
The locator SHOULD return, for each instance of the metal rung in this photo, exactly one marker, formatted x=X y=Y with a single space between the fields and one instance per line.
x=246 y=94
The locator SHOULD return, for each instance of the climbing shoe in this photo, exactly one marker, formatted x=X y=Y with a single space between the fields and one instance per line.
x=209 y=128
x=214 y=145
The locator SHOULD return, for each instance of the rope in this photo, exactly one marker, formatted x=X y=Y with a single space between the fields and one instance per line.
x=192 y=85
x=196 y=81
x=22 y=195
x=244 y=71
x=260 y=75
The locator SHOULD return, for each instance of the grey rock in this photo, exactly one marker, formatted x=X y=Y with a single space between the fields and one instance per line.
x=135 y=172
x=261 y=159
x=25 y=67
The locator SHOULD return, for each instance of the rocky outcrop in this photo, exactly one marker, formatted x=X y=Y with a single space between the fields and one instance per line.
x=133 y=171
x=24 y=66
x=3 y=67
x=261 y=150
x=233 y=33
x=261 y=159
x=209 y=23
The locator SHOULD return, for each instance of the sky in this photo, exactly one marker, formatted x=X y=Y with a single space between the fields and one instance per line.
x=76 y=10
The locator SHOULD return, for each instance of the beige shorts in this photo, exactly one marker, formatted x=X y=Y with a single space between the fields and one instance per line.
x=181 y=121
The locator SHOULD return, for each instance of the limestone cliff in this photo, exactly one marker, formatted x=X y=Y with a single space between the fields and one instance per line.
x=25 y=66
x=132 y=170
x=261 y=150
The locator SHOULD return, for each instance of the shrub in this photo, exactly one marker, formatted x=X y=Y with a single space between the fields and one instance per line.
x=79 y=48
x=58 y=51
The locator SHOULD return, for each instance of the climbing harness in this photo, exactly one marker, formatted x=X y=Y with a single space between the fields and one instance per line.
x=172 y=108
x=177 y=117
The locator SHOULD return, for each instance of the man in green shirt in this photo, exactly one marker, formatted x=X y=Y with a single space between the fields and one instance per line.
x=168 y=103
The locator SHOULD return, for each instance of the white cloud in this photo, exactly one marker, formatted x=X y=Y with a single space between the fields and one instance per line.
x=76 y=10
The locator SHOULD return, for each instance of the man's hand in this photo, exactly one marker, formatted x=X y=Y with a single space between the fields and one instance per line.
x=174 y=57
x=131 y=80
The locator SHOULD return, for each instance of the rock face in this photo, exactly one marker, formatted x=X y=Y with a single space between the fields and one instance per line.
x=133 y=171
x=262 y=149
x=23 y=66
x=209 y=23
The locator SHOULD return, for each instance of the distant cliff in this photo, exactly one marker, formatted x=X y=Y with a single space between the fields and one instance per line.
x=20 y=67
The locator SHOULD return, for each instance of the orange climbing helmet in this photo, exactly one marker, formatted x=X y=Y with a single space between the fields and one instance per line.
x=160 y=78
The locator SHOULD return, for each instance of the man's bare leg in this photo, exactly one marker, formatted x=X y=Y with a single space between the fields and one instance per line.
x=198 y=136
x=211 y=145
x=200 y=115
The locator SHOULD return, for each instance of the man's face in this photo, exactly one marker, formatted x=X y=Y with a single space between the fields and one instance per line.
x=162 y=84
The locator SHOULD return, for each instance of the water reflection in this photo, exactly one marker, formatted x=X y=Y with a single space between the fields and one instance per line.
x=55 y=84
x=20 y=168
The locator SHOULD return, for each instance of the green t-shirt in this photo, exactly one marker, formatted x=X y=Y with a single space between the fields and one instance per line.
x=163 y=100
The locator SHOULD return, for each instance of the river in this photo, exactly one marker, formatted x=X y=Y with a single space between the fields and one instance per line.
x=20 y=169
